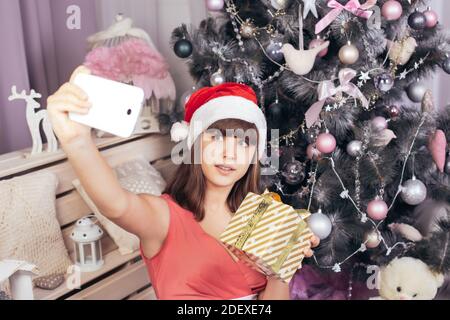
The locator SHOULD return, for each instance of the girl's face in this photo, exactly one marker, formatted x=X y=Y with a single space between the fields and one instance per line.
x=226 y=158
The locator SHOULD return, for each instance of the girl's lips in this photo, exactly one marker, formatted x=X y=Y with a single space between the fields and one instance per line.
x=225 y=169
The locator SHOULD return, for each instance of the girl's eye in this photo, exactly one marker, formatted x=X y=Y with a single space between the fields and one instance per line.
x=217 y=137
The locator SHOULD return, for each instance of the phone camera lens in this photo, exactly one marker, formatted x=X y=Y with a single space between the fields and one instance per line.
x=129 y=111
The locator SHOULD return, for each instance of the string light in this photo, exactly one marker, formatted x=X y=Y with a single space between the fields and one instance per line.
x=405 y=72
x=337 y=266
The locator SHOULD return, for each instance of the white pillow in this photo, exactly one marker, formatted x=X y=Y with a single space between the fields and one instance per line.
x=136 y=176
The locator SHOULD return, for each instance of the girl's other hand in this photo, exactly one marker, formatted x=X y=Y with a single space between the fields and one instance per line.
x=315 y=241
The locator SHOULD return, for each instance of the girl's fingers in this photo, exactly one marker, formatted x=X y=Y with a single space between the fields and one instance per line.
x=80 y=69
x=315 y=241
x=67 y=106
x=309 y=253
x=74 y=90
x=71 y=99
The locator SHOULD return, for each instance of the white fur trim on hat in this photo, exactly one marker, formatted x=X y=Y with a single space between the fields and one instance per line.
x=228 y=107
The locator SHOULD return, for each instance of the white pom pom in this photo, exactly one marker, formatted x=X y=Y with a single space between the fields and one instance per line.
x=179 y=131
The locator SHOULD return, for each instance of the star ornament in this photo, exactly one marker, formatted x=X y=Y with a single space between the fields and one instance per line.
x=364 y=76
x=403 y=75
x=309 y=6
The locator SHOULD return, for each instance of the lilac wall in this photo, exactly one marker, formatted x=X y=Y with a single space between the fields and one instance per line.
x=440 y=82
x=39 y=52
x=12 y=63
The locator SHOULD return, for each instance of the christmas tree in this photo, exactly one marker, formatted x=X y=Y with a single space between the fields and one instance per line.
x=361 y=143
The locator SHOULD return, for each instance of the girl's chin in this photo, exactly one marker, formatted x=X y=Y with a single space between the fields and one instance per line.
x=222 y=182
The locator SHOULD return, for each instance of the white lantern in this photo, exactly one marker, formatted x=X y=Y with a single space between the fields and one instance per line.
x=88 y=249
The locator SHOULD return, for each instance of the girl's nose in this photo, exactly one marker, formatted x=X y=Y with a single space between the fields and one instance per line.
x=229 y=151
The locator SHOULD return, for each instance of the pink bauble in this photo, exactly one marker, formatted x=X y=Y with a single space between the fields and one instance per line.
x=215 y=5
x=392 y=10
x=317 y=42
x=326 y=143
x=312 y=153
x=379 y=123
x=377 y=209
x=431 y=18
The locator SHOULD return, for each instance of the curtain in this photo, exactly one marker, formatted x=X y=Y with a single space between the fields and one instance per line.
x=38 y=52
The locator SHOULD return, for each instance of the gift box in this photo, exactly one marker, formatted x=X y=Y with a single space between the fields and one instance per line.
x=269 y=235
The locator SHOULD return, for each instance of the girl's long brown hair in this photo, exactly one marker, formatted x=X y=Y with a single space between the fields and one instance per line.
x=188 y=184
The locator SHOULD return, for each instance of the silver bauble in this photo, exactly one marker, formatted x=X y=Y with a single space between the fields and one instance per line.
x=354 y=148
x=320 y=224
x=293 y=172
x=186 y=96
x=384 y=82
x=349 y=54
x=273 y=50
x=446 y=64
x=217 y=78
x=413 y=192
x=416 y=91
x=372 y=239
x=279 y=4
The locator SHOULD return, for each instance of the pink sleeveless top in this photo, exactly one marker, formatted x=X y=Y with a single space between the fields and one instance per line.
x=193 y=265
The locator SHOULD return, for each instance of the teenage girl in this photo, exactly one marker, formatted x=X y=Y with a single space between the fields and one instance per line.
x=179 y=231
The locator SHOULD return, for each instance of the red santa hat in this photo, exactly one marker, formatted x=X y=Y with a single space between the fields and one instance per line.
x=225 y=101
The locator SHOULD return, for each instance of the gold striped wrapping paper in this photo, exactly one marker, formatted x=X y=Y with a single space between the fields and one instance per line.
x=269 y=235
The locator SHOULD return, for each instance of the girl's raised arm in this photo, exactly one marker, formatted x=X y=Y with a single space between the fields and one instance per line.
x=145 y=216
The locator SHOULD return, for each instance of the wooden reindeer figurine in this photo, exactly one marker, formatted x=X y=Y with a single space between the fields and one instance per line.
x=34 y=119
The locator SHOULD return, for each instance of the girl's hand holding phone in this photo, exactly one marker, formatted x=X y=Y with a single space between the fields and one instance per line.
x=69 y=98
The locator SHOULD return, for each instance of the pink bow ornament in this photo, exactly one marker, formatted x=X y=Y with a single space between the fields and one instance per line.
x=327 y=90
x=353 y=6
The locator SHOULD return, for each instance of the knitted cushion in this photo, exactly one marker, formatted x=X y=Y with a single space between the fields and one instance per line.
x=29 y=230
x=136 y=176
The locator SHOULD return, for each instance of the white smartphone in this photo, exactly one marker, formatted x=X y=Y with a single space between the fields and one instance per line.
x=115 y=106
